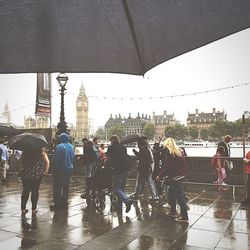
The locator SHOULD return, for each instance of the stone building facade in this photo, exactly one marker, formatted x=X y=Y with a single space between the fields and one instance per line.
x=161 y=121
x=130 y=125
x=203 y=120
x=37 y=122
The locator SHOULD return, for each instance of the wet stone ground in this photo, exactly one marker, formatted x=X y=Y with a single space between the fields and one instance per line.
x=216 y=221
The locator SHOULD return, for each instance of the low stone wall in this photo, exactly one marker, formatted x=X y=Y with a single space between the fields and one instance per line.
x=199 y=169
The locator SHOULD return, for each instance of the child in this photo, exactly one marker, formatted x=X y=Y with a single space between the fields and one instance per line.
x=219 y=165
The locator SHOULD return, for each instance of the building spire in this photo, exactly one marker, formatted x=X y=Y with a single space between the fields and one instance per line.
x=6 y=113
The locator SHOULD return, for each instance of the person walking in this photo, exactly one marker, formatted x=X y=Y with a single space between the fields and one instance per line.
x=157 y=167
x=246 y=161
x=118 y=160
x=63 y=167
x=89 y=164
x=175 y=168
x=4 y=157
x=225 y=144
x=218 y=164
x=145 y=169
x=34 y=163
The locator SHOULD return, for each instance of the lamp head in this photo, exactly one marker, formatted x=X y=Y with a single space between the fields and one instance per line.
x=62 y=79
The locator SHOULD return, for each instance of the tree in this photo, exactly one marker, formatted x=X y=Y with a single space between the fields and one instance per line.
x=219 y=129
x=177 y=131
x=149 y=130
x=193 y=132
x=100 y=133
x=204 y=134
x=117 y=130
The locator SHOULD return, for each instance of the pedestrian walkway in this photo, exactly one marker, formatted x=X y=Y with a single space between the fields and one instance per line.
x=216 y=221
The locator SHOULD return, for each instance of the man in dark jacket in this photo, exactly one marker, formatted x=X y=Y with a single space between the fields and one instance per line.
x=89 y=164
x=63 y=167
x=118 y=160
x=145 y=169
x=226 y=146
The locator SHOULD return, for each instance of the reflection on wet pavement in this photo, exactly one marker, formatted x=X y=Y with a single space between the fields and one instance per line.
x=216 y=221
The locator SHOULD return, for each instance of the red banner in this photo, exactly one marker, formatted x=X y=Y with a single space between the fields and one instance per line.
x=43 y=94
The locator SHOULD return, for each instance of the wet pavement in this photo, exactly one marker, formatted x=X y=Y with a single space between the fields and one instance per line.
x=216 y=221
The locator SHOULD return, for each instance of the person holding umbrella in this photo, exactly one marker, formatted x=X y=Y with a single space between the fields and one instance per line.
x=63 y=167
x=34 y=164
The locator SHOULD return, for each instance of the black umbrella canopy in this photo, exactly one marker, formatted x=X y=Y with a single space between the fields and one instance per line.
x=132 y=138
x=8 y=131
x=119 y=36
x=28 y=141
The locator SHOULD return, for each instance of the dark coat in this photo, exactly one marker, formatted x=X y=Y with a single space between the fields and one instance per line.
x=174 y=167
x=146 y=161
x=118 y=158
x=226 y=148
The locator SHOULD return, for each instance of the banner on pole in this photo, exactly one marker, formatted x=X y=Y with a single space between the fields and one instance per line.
x=43 y=94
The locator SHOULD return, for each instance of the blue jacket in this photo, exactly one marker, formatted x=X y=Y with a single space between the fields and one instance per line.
x=64 y=154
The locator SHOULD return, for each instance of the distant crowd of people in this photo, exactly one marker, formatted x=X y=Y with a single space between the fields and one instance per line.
x=165 y=161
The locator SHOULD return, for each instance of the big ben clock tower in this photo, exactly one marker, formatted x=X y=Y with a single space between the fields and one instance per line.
x=82 y=115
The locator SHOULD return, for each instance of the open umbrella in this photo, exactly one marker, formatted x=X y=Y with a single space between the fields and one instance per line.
x=28 y=141
x=116 y=36
x=8 y=130
x=132 y=138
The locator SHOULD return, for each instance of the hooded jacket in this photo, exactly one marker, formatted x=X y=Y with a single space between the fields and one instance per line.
x=64 y=154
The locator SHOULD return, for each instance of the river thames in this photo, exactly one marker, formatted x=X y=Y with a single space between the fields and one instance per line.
x=194 y=151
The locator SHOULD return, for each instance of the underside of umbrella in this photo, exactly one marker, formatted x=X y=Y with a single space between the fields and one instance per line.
x=28 y=141
x=116 y=36
x=8 y=130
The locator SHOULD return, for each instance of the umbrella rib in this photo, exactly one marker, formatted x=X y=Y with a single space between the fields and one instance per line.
x=132 y=29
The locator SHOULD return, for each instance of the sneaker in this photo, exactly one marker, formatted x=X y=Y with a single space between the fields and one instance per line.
x=245 y=202
x=182 y=220
x=134 y=196
x=128 y=205
x=173 y=215
x=166 y=205
x=85 y=195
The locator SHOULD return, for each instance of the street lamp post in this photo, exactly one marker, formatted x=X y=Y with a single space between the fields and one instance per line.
x=62 y=125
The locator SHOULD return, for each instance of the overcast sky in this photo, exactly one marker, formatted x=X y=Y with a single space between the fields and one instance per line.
x=221 y=64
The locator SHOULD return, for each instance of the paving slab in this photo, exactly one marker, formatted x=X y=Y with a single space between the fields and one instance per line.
x=216 y=221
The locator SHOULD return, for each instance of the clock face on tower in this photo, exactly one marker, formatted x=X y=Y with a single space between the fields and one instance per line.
x=79 y=105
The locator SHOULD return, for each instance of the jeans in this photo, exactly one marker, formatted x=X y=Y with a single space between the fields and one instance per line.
x=141 y=180
x=61 y=180
x=175 y=192
x=89 y=169
x=32 y=186
x=119 y=181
